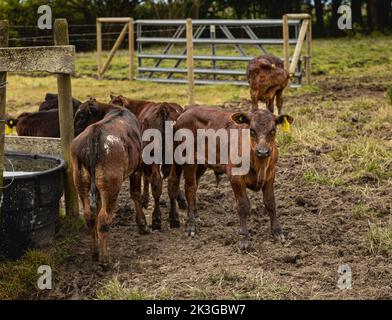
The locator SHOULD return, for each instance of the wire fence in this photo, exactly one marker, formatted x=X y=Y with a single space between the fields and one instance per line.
x=31 y=35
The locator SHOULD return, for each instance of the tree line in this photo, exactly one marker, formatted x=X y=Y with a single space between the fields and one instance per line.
x=367 y=15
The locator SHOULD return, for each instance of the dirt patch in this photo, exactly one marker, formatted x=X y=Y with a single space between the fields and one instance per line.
x=321 y=231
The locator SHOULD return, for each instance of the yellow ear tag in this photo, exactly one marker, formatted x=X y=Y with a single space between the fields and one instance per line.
x=8 y=130
x=285 y=125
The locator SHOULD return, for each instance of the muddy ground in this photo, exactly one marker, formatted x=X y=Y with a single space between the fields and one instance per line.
x=320 y=229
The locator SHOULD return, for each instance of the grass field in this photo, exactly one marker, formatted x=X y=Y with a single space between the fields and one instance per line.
x=334 y=187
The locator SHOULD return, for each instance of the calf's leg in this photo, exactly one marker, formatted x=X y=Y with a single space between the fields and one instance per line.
x=135 y=189
x=269 y=205
x=254 y=98
x=243 y=207
x=279 y=101
x=156 y=187
x=109 y=190
x=190 y=193
x=173 y=185
x=270 y=104
x=82 y=182
x=146 y=190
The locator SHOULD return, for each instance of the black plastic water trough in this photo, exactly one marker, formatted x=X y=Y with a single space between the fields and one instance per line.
x=33 y=186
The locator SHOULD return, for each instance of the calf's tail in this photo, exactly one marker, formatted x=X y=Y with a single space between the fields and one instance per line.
x=93 y=194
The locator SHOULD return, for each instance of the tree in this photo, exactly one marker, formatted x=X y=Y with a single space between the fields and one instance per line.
x=356 y=8
x=378 y=14
x=319 y=8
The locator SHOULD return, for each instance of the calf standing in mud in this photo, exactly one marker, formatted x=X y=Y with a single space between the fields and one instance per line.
x=152 y=115
x=262 y=154
x=103 y=155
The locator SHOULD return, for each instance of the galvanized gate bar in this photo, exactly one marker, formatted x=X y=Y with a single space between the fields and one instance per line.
x=197 y=34
x=216 y=41
x=156 y=72
x=226 y=22
x=176 y=35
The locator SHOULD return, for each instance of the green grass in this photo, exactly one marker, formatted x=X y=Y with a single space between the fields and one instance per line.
x=19 y=279
x=114 y=290
x=379 y=238
x=390 y=95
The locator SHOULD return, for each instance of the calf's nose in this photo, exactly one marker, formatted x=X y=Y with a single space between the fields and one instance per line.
x=263 y=152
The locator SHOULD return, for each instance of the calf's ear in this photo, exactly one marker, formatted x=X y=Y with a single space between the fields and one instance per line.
x=281 y=119
x=93 y=110
x=240 y=118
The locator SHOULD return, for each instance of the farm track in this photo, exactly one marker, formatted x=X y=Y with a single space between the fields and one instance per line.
x=321 y=232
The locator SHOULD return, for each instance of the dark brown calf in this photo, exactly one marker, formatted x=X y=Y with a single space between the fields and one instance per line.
x=105 y=154
x=37 y=124
x=267 y=79
x=263 y=156
x=153 y=115
x=52 y=102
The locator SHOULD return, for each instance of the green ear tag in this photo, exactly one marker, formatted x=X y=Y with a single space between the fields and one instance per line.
x=285 y=125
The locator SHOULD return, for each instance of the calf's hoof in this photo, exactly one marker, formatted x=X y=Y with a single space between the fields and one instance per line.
x=145 y=202
x=190 y=230
x=278 y=235
x=182 y=204
x=156 y=225
x=244 y=244
x=143 y=229
x=104 y=266
x=95 y=255
x=174 y=223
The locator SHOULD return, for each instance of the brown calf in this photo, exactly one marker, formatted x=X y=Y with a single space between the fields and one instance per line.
x=153 y=115
x=263 y=156
x=103 y=156
x=52 y=102
x=267 y=79
x=37 y=124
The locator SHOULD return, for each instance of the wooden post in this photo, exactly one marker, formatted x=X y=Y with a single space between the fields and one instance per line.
x=286 y=52
x=300 y=41
x=115 y=48
x=309 y=53
x=4 y=36
x=66 y=121
x=99 y=48
x=189 y=61
x=131 y=48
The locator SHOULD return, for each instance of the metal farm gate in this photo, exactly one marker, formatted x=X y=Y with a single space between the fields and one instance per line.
x=167 y=65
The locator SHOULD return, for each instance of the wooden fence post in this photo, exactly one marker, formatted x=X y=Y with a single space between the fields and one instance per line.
x=189 y=61
x=286 y=53
x=4 y=37
x=131 y=48
x=66 y=121
x=99 y=48
x=309 y=53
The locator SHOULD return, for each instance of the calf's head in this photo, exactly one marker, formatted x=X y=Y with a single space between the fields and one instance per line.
x=87 y=113
x=262 y=125
x=118 y=100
